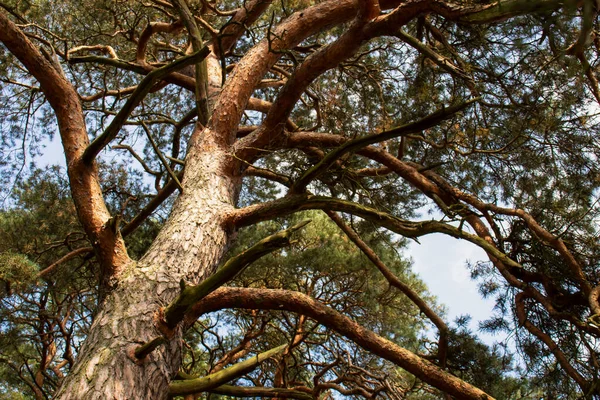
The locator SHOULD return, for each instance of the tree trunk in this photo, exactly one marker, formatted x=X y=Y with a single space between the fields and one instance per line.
x=188 y=248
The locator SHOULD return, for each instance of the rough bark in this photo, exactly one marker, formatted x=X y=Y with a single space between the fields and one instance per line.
x=189 y=247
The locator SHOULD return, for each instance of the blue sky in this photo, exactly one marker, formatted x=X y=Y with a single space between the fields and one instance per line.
x=440 y=261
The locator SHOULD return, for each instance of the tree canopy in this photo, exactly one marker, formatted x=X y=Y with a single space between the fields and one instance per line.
x=242 y=178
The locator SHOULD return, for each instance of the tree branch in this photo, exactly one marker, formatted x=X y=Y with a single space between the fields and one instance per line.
x=291 y=204
x=151 y=29
x=244 y=17
x=136 y=98
x=215 y=380
x=152 y=205
x=285 y=300
x=65 y=258
x=242 y=391
x=190 y=295
x=504 y=9
x=201 y=76
x=354 y=145
x=394 y=281
x=161 y=157
x=83 y=177
x=547 y=340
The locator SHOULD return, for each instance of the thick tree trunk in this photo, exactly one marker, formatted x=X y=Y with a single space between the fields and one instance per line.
x=189 y=247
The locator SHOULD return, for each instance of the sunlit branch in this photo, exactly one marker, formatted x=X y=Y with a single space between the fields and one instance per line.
x=257 y=62
x=286 y=300
x=87 y=193
x=117 y=63
x=99 y=47
x=106 y=93
x=322 y=60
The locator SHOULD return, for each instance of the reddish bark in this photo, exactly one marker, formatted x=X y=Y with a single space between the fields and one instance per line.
x=285 y=300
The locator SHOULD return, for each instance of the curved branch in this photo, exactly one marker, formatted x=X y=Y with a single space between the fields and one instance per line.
x=250 y=70
x=244 y=17
x=98 y=47
x=545 y=236
x=151 y=29
x=83 y=177
x=286 y=300
x=410 y=229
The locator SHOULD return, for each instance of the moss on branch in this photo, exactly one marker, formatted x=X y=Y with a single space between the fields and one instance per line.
x=190 y=295
x=215 y=380
x=355 y=145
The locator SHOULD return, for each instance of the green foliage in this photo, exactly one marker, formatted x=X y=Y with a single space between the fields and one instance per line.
x=16 y=271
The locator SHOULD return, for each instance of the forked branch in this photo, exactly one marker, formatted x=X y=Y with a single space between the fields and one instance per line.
x=190 y=295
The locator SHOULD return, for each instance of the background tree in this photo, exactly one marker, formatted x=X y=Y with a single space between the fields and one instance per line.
x=255 y=110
